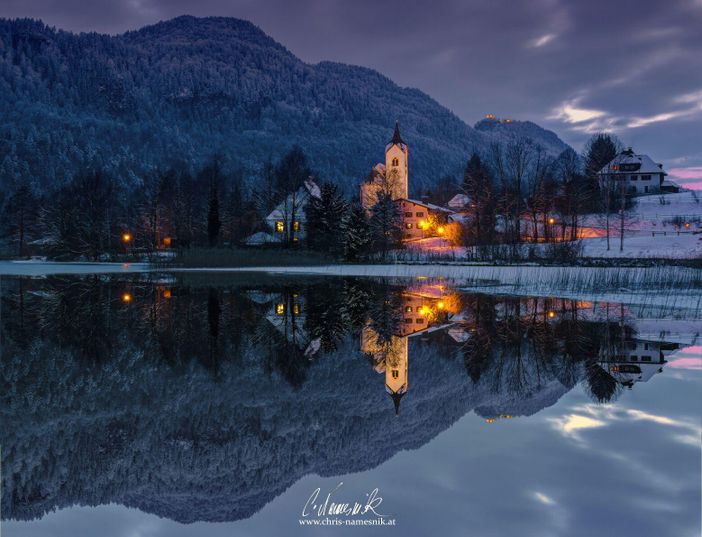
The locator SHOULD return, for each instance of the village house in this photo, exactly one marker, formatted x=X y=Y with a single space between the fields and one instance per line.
x=419 y=219
x=641 y=174
x=288 y=221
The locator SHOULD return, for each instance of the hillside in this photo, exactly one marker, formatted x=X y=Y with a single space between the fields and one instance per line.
x=504 y=130
x=177 y=92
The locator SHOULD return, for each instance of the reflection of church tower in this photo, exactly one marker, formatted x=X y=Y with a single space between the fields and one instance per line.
x=392 y=357
x=396 y=165
x=396 y=366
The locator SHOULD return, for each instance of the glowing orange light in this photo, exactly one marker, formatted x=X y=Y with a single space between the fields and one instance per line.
x=440 y=230
x=127 y=298
x=687 y=225
x=551 y=314
x=166 y=293
x=167 y=242
x=126 y=237
x=422 y=224
x=552 y=220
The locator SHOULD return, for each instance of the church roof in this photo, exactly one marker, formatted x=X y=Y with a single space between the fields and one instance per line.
x=396 y=138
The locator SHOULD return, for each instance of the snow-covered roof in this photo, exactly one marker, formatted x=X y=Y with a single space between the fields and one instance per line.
x=309 y=189
x=631 y=162
x=261 y=238
x=458 y=201
x=429 y=206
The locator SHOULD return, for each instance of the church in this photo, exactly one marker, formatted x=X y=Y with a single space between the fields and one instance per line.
x=419 y=219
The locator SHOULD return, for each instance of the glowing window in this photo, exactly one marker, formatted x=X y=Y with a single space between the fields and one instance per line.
x=408 y=226
x=296 y=225
x=296 y=309
x=280 y=226
x=280 y=309
x=408 y=309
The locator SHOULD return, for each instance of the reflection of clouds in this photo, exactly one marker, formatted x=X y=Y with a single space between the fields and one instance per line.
x=571 y=424
x=543 y=498
x=591 y=416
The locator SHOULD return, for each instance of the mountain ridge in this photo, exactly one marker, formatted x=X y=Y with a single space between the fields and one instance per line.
x=179 y=91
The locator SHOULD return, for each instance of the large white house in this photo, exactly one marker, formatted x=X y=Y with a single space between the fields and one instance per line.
x=641 y=174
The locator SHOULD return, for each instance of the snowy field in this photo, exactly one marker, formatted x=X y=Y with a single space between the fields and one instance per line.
x=668 y=227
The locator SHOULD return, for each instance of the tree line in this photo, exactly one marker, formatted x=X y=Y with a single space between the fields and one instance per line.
x=516 y=194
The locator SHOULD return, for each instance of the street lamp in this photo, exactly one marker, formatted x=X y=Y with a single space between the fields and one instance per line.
x=551 y=220
x=126 y=298
x=126 y=238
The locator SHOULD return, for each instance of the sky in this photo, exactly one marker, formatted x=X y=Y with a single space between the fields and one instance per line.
x=632 y=67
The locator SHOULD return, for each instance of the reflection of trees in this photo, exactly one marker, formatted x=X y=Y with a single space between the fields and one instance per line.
x=523 y=342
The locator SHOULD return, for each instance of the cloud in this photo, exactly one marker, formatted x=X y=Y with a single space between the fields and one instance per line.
x=543 y=498
x=571 y=112
x=541 y=41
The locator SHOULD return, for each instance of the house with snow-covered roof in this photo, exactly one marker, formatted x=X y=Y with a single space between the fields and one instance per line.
x=641 y=175
x=287 y=222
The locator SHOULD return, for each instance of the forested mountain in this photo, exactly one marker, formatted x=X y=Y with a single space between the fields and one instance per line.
x=178 y=92
x=506 y=130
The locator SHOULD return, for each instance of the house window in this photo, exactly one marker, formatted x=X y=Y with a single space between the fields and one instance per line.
x=296 y=225
x=634 y=358
x=296 y=309
x=408 y=320
x=279 y=226
x=395 y=373
x=395 y=162
x=280 y=309
x=419 y=214
x=408 y=226
x=646 y=189
x=408 y=309
x=634 y=177
x=645 y=346
x=420 y=321
x=645 y=177
x=645 y=358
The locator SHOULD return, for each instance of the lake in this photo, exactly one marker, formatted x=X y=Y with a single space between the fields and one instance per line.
x=207 y=404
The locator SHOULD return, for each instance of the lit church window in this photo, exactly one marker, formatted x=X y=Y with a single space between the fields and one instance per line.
x=296 y=225
x=280 y=309
x=280 y=226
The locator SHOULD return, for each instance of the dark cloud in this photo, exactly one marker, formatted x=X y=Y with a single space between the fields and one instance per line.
x=634 y=67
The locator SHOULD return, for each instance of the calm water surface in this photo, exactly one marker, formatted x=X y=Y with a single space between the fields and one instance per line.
x=211 y=406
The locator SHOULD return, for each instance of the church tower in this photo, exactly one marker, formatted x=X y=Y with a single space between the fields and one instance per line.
x=396 y=165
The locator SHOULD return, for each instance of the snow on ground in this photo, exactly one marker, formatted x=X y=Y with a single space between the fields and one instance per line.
x=45 y=268
x=650 y=231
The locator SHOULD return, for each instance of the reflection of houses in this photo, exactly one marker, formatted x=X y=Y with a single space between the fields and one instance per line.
x=637 y=361
x=419 y=219
x=640 y=174
x=421 y=312
x=287 y=222
x=287 y=314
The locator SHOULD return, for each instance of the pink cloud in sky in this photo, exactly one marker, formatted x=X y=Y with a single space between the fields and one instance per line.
x=687 y=358
x=687 y=177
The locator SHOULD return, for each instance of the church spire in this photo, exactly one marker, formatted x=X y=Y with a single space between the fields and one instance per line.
x=396 y=138
x=396 y=400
